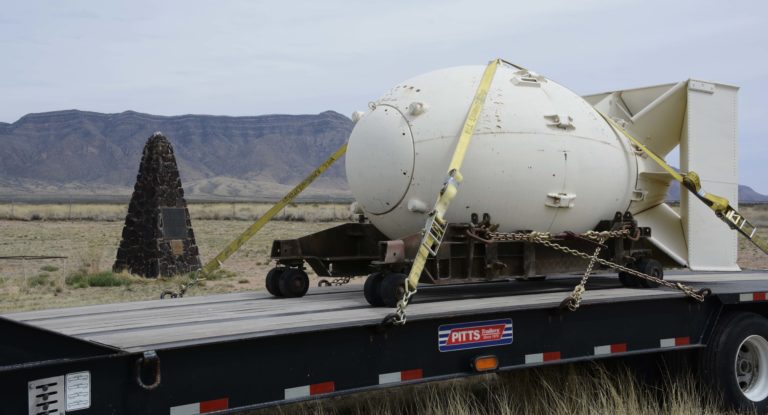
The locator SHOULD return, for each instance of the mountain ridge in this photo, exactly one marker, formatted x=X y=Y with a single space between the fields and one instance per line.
x=72 y=152
x=63 y=152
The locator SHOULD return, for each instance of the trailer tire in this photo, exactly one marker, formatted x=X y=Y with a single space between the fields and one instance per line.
x=272 y=281
x=392 y=288
x=735 y=362
x=651 y=267
x=293 y=283
x=372 y=289
x=628 y=280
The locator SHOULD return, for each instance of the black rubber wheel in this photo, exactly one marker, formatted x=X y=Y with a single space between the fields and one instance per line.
x=392 y=288
x=735 y=362
x=372 y=289
x=628 y=280
x=293 y=283
x=651 y=267
x=272 y=281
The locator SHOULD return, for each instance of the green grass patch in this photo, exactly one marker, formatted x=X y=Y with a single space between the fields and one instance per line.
x=38 y=280
x=49 y=268
x=82 y=279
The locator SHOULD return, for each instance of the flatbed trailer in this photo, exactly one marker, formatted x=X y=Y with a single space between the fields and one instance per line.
x=233 y=352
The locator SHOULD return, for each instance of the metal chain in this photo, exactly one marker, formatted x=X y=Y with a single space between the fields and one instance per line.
x=195 y=279
x=399 y=316
x=341 y=281
x=574 y=300
x=336 y=281
x=543 y=238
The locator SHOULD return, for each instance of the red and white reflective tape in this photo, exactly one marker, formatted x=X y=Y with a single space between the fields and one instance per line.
x=201 y=407
x=746 y=297
x=610 y=349
x=542 y=357
x=675 y=342
x=310 y=390
x=402 y=376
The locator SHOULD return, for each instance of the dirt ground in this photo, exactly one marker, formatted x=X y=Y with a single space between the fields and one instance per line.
x=92 y=245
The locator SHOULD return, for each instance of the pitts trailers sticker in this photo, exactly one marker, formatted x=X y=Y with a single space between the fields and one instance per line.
x=474 y=335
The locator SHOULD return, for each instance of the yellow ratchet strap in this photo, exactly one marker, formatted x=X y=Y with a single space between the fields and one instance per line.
x=233 y=246
x=435 y=228
x=691 y=181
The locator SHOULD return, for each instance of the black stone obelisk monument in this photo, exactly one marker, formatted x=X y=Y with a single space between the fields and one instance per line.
x=157 y=237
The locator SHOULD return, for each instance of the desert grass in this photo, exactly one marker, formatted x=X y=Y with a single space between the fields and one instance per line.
x=299 y=212
x=580 y=389
x=90 y=248
x=84 y=276
x=248 y=211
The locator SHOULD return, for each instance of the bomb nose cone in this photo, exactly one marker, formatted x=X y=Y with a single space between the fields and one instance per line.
x=380 y=159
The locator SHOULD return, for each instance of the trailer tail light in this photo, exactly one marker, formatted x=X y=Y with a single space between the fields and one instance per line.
x=485 y=363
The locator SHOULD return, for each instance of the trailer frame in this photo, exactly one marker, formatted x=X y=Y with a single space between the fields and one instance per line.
x=267 y=366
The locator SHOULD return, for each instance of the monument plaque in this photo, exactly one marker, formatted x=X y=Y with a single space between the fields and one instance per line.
x=174 y=223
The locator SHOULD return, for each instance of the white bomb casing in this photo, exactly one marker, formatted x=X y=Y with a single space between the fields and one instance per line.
x=541 y=158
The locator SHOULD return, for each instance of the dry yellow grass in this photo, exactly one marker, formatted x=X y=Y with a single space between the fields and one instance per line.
x=576 y=389
x=300 y=212
x=93 y=245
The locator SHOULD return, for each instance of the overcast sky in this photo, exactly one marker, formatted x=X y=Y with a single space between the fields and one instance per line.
x=259 y=57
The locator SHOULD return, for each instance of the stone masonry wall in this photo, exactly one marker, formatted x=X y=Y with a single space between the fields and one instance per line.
x=150 y=247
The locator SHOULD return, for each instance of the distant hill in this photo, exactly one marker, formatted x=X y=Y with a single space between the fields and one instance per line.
x=746 y=194
x=86 y=155
x=82 y=153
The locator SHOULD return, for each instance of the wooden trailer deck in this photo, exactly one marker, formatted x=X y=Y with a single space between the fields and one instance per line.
x=170 y=323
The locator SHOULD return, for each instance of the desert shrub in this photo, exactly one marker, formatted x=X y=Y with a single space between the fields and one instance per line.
x=106 y=279
x=38 y=280
x=77 y=279
x=82 y=279
x=88 y=260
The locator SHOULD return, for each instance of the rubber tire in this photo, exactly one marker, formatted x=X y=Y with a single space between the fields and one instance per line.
x=651 y=267
x=372 y=289
x=717 y=360
x=628 y=280
x=392 y=288
x=293 y=283
x=272 y=279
